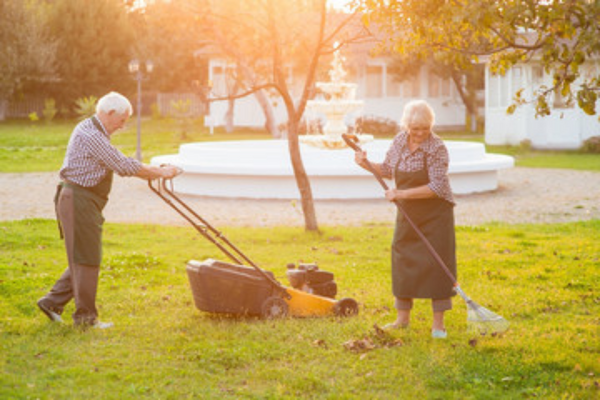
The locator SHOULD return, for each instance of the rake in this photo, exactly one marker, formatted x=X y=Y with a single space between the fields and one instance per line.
x=479 y=318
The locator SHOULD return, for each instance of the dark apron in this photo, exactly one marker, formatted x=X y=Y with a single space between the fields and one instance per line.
x=415 y=273
x=88 y=204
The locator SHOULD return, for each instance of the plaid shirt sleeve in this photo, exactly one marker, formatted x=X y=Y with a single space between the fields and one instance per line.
x=392 y=156
x=101 y=149
x=437 y=167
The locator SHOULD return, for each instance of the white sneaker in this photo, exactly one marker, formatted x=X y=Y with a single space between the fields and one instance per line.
x=102 y=325
x=49 y=310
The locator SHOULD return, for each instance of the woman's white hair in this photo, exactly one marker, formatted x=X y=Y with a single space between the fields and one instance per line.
x=116 y=102
x=417 y=113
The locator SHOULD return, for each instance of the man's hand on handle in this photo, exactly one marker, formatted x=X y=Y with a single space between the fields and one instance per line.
x=170 y=171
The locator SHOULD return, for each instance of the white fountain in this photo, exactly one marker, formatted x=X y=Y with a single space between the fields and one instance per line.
x=262 y=169
x=339 y=101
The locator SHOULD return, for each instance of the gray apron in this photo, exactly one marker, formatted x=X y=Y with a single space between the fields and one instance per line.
x=415 y=273
x=88 y=204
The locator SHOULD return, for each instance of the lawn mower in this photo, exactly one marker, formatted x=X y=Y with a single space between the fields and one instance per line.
x=236 y=288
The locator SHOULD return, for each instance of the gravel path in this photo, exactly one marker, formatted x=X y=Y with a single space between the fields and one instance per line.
x=524 y=195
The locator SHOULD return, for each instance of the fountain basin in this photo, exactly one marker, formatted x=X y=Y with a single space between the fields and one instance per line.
x=262 y=169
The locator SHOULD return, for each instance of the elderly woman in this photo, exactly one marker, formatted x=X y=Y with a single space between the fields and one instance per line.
x=418 y=161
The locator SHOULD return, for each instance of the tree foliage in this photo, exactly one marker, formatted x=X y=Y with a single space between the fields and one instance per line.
x=559 y=34
x=169 y=36
x=26 y=53
x=94 y=47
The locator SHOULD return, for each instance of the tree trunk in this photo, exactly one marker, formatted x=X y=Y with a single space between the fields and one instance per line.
x=468 y=97
x=302 y=181
x=3 y=108
x=229 y=116
x=270 y=121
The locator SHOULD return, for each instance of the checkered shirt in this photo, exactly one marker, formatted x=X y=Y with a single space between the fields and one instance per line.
x=90 y=156
x=433 y=150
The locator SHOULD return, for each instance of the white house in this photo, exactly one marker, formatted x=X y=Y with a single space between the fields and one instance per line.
x=383 y=96
x=566 y=128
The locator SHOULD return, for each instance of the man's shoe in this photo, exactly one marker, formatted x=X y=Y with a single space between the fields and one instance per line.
x=51 y=312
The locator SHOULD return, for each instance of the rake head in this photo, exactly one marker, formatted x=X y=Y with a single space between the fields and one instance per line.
x=482 y=320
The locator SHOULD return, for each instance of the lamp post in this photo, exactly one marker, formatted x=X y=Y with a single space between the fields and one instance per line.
x=138 y=75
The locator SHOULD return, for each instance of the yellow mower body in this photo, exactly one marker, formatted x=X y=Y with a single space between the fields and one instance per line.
x=303 y=304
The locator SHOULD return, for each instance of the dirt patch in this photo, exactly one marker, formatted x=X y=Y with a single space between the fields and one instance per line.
x=524 y=195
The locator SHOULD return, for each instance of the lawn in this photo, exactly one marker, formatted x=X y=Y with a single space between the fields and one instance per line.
x=543 y=278
x=40 y=147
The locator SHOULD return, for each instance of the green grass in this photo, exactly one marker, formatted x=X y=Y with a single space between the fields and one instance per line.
x=550 y=158
x=527 y=157
x=543 y=278
x=39 y=147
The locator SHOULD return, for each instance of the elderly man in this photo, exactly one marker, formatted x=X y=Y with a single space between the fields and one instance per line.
x=86 y=179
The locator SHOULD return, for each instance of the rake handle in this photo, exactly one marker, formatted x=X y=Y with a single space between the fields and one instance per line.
x=353 y=142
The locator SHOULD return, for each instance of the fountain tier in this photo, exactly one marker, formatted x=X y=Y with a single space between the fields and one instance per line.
x=263 y=170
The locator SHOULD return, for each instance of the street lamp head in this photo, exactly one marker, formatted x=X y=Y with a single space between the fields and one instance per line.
x=134 y=66
x=149 y=66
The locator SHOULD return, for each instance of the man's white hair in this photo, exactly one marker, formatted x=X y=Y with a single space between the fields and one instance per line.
x=116 y=102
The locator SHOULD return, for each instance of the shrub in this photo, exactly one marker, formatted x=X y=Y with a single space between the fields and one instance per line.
x=50 y=110
x=591 y=145
x=525 y=145
x=376 y=125
x=156 y=114
x=85 y=107
x=311 y=126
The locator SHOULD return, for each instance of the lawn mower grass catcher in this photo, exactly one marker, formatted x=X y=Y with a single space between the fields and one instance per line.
x=479 y=318
x=235 y=288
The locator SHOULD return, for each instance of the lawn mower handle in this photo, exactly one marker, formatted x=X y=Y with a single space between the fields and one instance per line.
x=353 y=142
x=207 y=230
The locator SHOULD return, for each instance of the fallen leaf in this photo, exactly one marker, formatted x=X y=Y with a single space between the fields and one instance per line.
x=396 y=343
x=378 y=331
x=359 y=345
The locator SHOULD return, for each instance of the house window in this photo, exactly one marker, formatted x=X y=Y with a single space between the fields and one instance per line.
x=374 y=81
x=537 y=76
x=561 y=101
x=393 y=85
x=219 y=86
x=411 y=87
x=434 y=85
x=445 y=86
